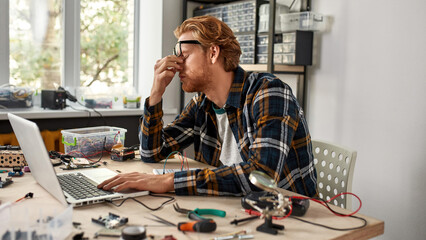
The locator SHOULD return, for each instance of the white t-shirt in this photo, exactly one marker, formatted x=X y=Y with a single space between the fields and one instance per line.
x=230 y=154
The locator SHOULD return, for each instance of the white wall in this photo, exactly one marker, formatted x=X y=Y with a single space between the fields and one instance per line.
x=368 y=92
x=172 y=12
x=156 y=41
x=150 y=44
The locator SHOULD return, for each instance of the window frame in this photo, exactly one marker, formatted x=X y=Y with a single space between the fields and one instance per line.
x=4 y=42
x=71 y=44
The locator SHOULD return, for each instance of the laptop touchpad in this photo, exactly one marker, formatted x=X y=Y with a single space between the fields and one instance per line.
x=99 y=175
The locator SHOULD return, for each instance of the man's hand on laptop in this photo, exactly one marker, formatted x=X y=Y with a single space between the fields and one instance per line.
x=139 y=181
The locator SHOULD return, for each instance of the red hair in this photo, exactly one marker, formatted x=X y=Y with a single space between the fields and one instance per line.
x=210 y=31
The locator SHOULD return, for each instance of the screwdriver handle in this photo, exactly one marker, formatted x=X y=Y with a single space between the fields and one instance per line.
x=206 y=225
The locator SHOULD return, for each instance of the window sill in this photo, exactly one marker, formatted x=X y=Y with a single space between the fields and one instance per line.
x=40 y=113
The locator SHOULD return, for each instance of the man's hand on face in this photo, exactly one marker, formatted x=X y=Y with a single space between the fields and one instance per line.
x=164 y=71
x=139 y=181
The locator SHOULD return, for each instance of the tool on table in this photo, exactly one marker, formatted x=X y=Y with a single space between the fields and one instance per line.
x=236 y=221
x=204 y=225
x=133 y=233
x=280 y=206
x=235 y=235
x=196 y=213
x=162 y=220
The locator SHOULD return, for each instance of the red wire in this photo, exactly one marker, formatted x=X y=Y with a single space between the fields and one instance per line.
x=116 y=135
x=187 y=164
x=87 y=156
x=20 y=199
x=181 y=160
x=254 y=212
x=288 y=214
x=331 y=199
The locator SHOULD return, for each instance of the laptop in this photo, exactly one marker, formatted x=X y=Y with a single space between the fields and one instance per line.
x=36 y=155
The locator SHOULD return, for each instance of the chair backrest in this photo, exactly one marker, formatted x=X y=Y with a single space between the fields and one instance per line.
x=335 y=168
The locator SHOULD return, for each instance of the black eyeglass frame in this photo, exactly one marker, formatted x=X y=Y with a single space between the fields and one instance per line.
x=179 y=43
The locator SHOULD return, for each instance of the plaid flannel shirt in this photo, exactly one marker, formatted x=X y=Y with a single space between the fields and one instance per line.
x=267 y=123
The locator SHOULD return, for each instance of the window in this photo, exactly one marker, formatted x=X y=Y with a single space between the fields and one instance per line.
x=35 y=43
x=106 y=42
x=51 y=43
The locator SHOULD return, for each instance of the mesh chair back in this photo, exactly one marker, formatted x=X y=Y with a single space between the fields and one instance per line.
x=335 y=168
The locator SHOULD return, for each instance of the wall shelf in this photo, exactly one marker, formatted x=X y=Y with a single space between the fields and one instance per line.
x=286 y=69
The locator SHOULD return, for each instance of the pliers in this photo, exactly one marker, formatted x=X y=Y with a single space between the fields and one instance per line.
x=195 y=214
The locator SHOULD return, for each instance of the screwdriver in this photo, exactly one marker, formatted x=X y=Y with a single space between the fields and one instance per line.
x=202 y=225
x=205 y=225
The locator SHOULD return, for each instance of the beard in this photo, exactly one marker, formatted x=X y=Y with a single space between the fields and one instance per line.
x=197 y=81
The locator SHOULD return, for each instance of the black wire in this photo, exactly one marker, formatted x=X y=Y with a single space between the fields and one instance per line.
x=102 y=152
x=78 y=109
x=291 y=5
x=134 y=147
x=171 y=199
x=337 y=213
x=100 y=114
x=332 y=228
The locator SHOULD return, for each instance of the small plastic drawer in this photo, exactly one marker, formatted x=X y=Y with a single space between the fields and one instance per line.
x=262 y=40
x=289 y=37
x=278 y=58
x=262 y=49
x=289 y=58
x=278 y=47
x=306 y=21
x=262 y=58
x=288 y=47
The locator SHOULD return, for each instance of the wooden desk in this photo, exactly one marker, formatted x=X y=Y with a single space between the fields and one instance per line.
x=136 y=213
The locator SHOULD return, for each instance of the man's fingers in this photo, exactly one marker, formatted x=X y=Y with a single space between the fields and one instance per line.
x=167 y=66
x=127 y=185
x=168 y=63
x=119 y=180
x=102 y=184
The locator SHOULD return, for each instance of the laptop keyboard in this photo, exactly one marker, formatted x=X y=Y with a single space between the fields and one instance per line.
x=80 y=187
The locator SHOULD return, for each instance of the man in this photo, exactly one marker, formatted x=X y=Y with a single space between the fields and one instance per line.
x=238 y=122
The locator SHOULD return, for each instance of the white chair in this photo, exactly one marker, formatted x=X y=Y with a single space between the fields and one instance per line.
x=335 y=168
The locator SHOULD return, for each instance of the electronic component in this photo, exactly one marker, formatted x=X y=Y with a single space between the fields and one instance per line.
x=111 y=221
x=17 y=172
x=265 y=199
x=72 y=166
x=11 y=156
x=53 y=99
x=122 y=154
x=6 y=182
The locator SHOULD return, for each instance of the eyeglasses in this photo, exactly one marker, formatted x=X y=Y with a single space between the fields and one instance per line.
x=178 y=47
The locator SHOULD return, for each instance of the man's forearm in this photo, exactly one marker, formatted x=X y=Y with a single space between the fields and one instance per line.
x=154 y=99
